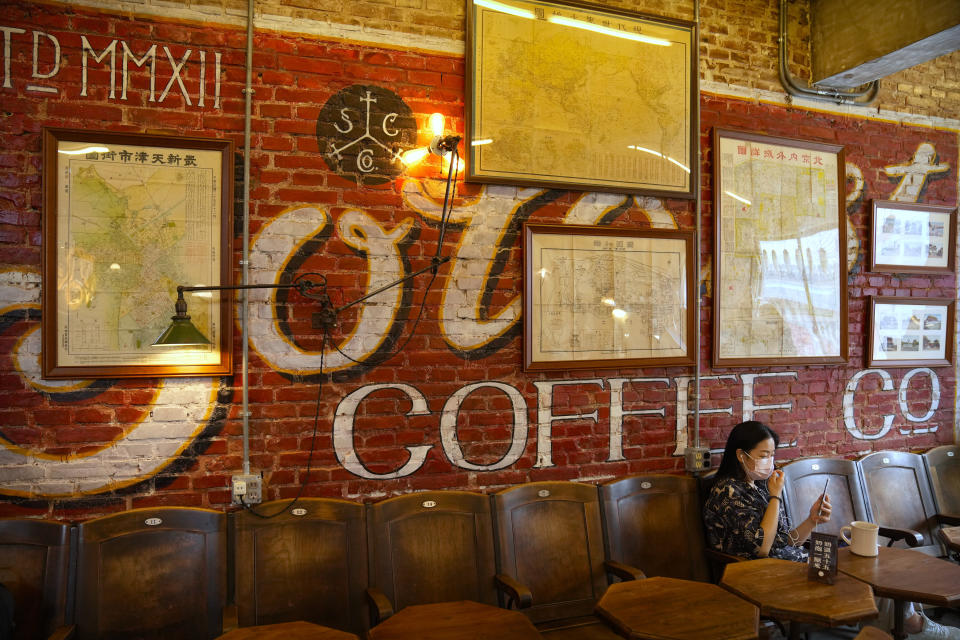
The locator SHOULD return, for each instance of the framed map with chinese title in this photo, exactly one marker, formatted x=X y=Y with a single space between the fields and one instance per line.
x=578 y=96
x=910 y=332
x=908 y=237
x=126 y=219
x=602 y=297
x=780 y=293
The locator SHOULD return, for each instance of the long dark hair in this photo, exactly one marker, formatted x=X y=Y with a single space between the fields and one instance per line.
x=746 y=436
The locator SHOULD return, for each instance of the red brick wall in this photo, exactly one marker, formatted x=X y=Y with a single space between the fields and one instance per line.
x=68 y=450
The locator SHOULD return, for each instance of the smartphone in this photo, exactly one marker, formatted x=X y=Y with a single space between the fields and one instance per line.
x=822 y=495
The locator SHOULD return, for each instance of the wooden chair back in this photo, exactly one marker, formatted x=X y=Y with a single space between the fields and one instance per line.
x=154 y=573
x=549 y=537
x=308 y=563
x=943 y=471
x=654 y=523
x=898 y=495
x=432 y=546
x=35 y=558
x=804 y=480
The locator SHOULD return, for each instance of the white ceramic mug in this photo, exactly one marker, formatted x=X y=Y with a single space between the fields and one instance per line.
x=863 y=537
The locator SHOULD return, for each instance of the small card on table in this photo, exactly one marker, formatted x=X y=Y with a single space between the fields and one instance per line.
x=822 y=566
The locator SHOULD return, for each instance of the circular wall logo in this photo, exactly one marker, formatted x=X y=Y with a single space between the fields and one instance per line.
x=362 y=130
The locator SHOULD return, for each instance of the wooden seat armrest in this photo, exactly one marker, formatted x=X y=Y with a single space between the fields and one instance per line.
x=516 y=592
x=911 y=537
x=623 y=571
x=723 y=558
x=380 y=606
x=948 y=519
x=64 y=633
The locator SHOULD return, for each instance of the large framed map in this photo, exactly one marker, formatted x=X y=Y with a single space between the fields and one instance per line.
x=601 y=297
x=126 y=219
x=579 y=96
x=780 y=289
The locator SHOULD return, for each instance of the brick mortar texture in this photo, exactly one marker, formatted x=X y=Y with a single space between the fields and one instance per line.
x=738 y=40
x=289 y=174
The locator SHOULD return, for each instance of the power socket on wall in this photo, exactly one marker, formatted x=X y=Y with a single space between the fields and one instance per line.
x=247 y=488
x=697 y=459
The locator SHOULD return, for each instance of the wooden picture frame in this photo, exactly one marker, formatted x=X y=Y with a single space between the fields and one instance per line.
x=578 y=96
x=910 y=332
x=908 y=237
x=607 y=297
x=126 y=219
x=780 y=272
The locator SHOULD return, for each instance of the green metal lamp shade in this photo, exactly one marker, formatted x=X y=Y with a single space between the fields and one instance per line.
x=181 y=333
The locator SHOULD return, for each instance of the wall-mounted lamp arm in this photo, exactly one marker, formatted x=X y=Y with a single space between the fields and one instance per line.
x=329 y=314
x=182 y=332
x=303 y=284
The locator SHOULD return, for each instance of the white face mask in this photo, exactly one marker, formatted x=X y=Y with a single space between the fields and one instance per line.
x=762 y=468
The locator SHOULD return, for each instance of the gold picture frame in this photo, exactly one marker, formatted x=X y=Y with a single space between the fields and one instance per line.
x=607 y=297
x=126 y=219
x=780 y=289
x=577 y=96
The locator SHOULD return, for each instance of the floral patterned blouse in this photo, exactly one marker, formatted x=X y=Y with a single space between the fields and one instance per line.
x=732 y=516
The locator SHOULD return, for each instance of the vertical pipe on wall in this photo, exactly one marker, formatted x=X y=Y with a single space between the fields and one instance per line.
x=696 y=240
x=245 y=261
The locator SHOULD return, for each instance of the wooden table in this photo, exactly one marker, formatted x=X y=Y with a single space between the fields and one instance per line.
x=287 y=631
x=463 y=620
x=656 y=608
x=904 y=576
x=782 y=591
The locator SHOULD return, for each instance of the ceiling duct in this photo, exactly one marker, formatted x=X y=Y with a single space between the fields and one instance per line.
x=858 y=41
x=863 y=96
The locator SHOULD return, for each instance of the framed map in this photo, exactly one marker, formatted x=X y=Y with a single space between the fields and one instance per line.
x=910 y=332
x=580 y=96
x=600 y=297
x=780 y=292
x=907 y=237
x=126 y=219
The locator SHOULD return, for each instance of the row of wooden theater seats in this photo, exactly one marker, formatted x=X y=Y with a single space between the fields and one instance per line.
x=161 y=573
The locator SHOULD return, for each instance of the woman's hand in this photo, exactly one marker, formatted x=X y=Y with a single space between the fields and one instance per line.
x=775 y=483
x=820 y=511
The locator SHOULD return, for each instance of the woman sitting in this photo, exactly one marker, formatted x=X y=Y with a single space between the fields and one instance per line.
x=743 y=517
x=742 y=514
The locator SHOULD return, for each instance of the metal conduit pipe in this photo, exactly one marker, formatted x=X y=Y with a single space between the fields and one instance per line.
x=862 y=97
x=696 y=240
x=245 y=261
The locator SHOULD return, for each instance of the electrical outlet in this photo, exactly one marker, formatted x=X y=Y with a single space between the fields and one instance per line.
x=247 y=489
x=697 y=459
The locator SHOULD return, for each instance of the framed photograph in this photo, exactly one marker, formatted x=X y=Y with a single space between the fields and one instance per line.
x=578 y=96
x=126 y=219
x=906 y=332
x=780 y=287
x=906 y=237
x=599 y=297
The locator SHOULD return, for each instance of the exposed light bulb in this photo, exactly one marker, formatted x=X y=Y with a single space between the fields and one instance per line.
x=414 y=156
x=436 y=124
x=446 y=164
